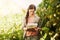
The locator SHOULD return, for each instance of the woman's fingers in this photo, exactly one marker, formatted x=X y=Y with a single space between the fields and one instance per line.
x=38 y=28
x=25 y=28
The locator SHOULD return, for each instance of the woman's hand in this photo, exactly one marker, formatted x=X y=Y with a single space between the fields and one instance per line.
x=37 y=28
x=25 y=28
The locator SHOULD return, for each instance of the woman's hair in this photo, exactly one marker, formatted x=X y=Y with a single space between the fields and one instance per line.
x=30 y=7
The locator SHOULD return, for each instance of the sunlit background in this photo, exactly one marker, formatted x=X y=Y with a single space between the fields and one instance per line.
x=15 y=6
x=12 y=13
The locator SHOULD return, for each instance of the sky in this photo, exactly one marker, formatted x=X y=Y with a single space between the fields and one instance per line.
x=15 y=6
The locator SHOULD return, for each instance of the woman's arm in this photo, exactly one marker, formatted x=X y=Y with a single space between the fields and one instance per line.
x=23 y=24
x=39 y=25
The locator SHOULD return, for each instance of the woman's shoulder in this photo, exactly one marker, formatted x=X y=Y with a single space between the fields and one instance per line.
x=23 y=20
x=36 y=16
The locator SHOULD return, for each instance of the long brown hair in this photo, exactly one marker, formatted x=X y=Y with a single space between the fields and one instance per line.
x=30 y=7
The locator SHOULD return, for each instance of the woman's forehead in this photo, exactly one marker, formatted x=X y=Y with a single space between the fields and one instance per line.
x=31 y=9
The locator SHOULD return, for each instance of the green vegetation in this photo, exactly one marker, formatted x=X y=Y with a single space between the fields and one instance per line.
x=10 y=27
x=49 y=13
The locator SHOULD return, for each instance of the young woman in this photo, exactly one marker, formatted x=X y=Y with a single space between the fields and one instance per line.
x=30 y=19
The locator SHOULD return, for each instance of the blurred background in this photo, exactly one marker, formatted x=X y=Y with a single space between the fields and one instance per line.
x=12 y=13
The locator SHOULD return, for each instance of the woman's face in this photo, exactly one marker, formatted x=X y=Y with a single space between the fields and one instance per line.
x=31 y=12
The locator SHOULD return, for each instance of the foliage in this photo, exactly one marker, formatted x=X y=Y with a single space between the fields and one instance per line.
x=49 y=12
x=10 y=27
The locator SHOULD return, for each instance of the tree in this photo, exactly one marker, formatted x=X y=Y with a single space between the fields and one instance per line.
x=49 y=12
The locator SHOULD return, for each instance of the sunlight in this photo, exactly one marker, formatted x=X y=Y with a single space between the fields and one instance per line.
x=15 y=6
